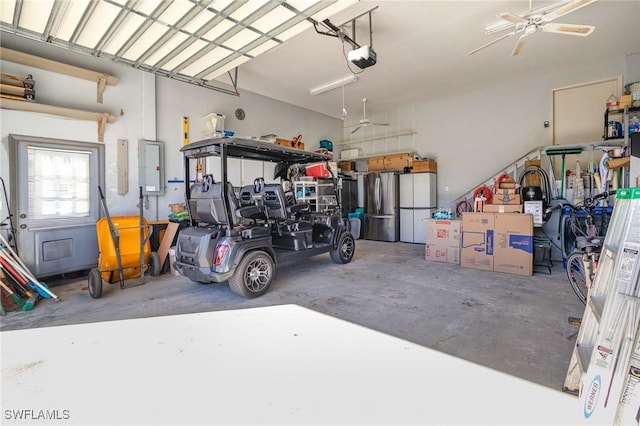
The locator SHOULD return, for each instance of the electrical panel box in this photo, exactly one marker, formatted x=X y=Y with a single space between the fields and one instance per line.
x=151 y=167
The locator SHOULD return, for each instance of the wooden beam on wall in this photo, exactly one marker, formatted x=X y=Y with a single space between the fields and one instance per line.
x=35 y=61
x=102 y=118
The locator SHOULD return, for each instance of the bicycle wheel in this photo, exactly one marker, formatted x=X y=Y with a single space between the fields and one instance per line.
x=576 y=275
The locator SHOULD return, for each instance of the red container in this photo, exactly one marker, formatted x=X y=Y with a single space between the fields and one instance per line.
x=318 y=171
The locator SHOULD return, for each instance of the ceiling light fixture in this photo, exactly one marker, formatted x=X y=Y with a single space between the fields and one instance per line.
x=333 y=85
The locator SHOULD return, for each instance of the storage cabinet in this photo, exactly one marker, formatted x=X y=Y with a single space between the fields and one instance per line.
x=320 y=194
x=418 y=200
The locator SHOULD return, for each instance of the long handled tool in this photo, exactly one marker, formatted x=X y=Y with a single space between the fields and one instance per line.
x=19 y=265
x=19 y=301
x=142 y=239
x=114 y=236
x=15 y=276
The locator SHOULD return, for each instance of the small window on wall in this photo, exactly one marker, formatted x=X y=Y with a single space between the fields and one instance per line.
x=59 y=183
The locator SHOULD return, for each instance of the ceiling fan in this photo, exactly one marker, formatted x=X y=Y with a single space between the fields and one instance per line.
x=535 y=20
x=364 y=121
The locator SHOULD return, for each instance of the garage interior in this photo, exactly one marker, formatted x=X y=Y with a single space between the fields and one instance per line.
x=472 y=111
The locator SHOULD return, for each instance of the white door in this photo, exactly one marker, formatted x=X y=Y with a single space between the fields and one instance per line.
x=57 y=203
x=424 y=194
x=406 y=190
x=420 y=225
x=406 y=225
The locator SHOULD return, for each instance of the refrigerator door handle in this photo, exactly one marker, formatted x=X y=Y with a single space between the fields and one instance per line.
x=378 y=196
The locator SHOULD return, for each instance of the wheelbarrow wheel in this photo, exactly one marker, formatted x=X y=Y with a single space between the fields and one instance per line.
x=154 y=264
x=95 y=283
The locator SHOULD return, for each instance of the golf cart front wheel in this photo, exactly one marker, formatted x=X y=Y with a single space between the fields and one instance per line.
x=95 y=283
x=345 y=249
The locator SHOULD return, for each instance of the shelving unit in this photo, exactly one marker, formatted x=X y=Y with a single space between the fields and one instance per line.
x=102 y=118
x=320 y=194
x=101 y=79
x=605 y=364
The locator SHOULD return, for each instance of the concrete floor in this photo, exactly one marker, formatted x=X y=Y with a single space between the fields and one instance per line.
x=517 y=325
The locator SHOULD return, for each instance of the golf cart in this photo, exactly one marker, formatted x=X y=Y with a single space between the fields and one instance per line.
x=241 y=235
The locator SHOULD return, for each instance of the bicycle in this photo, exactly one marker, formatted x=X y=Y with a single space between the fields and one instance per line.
x=582 y=263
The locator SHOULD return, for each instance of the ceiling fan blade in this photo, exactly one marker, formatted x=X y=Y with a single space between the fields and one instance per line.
x=567 y=8
x=569 y=29
x=380 y=124
x=356 y=129
x=507 y=16
x=519 y=44
x=492 y=42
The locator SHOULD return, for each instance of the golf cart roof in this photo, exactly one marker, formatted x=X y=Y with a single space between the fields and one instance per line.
x=252 y=149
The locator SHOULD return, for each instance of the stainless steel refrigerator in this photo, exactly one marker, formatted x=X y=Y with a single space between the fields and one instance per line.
x=381 y=201
x=418 y=200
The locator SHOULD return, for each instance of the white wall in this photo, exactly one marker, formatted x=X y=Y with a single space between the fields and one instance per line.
x=473 y=136
x=173 y=100
x=263 y=116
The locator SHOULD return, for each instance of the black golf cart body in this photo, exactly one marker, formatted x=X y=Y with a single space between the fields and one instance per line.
x=242 y=234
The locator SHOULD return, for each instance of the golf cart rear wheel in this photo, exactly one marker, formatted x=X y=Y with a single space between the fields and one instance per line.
x=253 y=275
x=95 y=283
x=345 y=250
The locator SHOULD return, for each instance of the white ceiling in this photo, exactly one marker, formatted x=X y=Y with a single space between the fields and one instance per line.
x=422 y=51
x=422 y=46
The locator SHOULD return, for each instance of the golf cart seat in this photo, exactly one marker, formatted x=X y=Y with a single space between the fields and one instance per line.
x=207 y=205
x=274 y=201
x=251 y=206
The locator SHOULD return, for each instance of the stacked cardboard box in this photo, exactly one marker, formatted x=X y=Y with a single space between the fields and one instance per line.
x=391 y=162
x=506 y=198
x=419 y=166
x=501 y=242
x=443 y=240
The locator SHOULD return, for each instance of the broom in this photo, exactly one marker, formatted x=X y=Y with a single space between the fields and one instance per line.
x=19 y=301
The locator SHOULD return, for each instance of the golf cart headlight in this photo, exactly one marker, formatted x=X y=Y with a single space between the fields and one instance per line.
x=220 y=253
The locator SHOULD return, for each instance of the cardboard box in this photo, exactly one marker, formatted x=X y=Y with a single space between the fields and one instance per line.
x=535 y=209
x=476 y=244
x=443 y=240
x=625 y=100
x=424 y=166
x=502 y=208
x=391 y=162
x=443 y=232
x=444 y=254
x=513 y=243
x=284 y=142
x=398 y=161
x=507 y=183
x=347 y=166
x=375 y=164
x=506 y=196
x=289 y=143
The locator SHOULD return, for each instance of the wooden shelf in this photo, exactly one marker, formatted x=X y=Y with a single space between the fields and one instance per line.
x=102 y=79
x=102 y=118
x=377 y=138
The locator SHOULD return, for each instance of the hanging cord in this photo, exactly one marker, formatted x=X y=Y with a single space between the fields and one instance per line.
x=12 y=230
x=483 y=191
x=499 y=179
x=462 y=207
x=546 y=188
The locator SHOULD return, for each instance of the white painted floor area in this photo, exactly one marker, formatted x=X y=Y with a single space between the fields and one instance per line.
x=272 y=365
